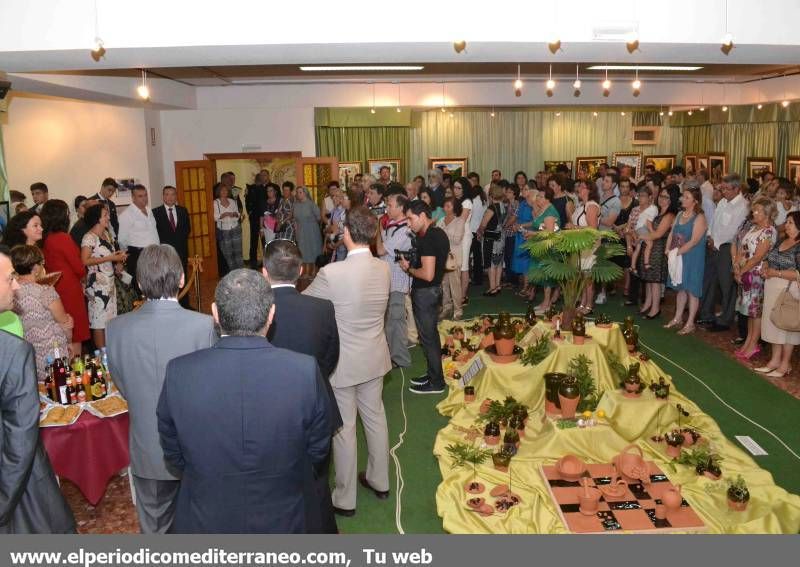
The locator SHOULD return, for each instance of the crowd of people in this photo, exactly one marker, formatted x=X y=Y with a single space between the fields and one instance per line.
x=383 y=264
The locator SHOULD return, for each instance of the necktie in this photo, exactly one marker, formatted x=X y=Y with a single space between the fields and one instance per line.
x=171 y=219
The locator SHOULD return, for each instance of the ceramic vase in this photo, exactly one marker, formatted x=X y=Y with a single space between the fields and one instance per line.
x=568 y=397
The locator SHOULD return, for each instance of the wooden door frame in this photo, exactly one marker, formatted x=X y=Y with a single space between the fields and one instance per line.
x=209 y=210
x=326 y=160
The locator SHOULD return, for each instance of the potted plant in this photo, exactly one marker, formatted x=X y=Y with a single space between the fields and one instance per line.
x=551 y=314
x=633 y=383
x=511 y=437
x=568 y=396
x=704 y=461
x=574 y=259
x=502 y=459
x=537 y=352
x=630 y=334
x=463 y=453
x=530 y=315
x=475 y=328
x=457 y=333
x=738 y=494
x=578 y=329
x=469 y=392
x=660 y=388
x=603 y=321
x=581 y=368
x=504 y=335
x=674 y=440
x=491 y=433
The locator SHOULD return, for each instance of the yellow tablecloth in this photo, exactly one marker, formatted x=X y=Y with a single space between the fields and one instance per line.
x=771 y=508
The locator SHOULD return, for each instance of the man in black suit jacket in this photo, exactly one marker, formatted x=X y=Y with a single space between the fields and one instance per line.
x=245 y=422
x=307 y=325
x=174 y=227
x=255 y=201
x=107 y=190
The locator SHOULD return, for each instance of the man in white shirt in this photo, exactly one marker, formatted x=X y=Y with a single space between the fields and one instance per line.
x=679 y=177
x=729 y=215
x=707 y=190
x=137 y=229
x=497 y=175
x=610 y=207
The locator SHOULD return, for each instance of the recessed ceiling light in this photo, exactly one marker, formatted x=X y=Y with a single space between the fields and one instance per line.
x=362 y=68
x=644 y=67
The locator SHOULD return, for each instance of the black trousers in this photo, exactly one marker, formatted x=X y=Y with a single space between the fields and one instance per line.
x=718 y=275
x=255 y=235
x=476 y=264
x=130 y=266
x=425 y=303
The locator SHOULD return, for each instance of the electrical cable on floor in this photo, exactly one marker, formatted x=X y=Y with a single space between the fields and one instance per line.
x=398 y=507
x=723 y=402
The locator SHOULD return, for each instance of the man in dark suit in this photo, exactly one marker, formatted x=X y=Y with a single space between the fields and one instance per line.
x=255 y=201
x=307 y=325
x=107 y=190
x=30 y=499
x=140 y=344
x=246 y=422
x=174 y=227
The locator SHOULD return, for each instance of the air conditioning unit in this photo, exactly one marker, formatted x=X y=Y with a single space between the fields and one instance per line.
x=645 y=135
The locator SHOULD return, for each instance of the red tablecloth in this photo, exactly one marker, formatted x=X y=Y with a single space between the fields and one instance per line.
x=89 y=452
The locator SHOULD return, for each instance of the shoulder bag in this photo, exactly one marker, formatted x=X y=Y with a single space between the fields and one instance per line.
x=786 y=312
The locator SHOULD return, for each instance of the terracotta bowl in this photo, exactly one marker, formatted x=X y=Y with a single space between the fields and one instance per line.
x=570 y=468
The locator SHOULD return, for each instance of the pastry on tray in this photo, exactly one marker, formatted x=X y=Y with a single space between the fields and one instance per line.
x=110 y=406
x=60 y=415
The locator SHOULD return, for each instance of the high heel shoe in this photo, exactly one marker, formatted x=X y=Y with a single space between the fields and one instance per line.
x=746 y=356
x=765 y=369
x=687 y=330
x=654 y=316
x=778 y=374
x=672 y=324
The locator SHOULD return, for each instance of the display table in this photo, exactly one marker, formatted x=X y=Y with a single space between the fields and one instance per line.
x=89 y=452
x=627 y=420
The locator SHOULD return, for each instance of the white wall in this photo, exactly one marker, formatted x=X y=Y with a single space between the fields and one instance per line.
x=72 y=146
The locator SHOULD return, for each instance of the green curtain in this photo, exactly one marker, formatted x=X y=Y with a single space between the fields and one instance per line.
x=523 y=139
x=4 y=191
x=362 y=144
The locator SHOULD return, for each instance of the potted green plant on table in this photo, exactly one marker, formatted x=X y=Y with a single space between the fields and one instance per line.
x=574 y=259
x=738 y=494
x=465 y=453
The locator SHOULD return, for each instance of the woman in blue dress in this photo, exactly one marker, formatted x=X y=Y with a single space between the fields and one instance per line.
x=689 y=237
x=520 y=263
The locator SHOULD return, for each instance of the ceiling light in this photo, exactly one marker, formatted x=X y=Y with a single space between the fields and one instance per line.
x=554 y=46
x=142 y=89
x=669 y=113
x=727 y=44
x=372 y=110
x=98 y=51
x=606 y=87
x=594 y=115
x=518 y=83
x=760 y=106
x=334 y=68
x=702 y=108
x=399 y=109
x=444 y=109
x=550 y=84
x=689 y=113
x=492 y=113
x=784 y=103
x=460 y=45
x=558 y=114
x=644 y=67
x=661 y=113
x=622 y=113
x=576 y=84
x=724 y=109
x=636 y=84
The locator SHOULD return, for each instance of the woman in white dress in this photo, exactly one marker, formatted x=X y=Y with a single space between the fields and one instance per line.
x=586 y=214
x=460 y=188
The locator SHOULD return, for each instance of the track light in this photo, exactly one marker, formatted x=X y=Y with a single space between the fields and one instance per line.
x=576 y=84
x=636 y=84
x=606 y=86
x=554 y=46
x=784 y=103
x=594 y=114
x=669 y=113
x=727 y=44
x=142 y=89
x=550 y=84
x=98 y=51
x=689 y=113
x=759 y=106
x=460 y=45
x=518 y=83
x=724 y=109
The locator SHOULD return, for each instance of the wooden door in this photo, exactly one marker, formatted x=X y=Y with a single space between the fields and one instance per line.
x=195 y=183
x=315 y=174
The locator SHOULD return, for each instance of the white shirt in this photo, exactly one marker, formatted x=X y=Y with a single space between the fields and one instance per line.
x=228 y=223
x=648 y=214
x=782 y=213
x=137 y=228
x=478 y=208
x=174 y=210
x=355 y=251
x=728 y=217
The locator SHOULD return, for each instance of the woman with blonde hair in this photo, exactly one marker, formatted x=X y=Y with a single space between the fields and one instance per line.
x=453 y=224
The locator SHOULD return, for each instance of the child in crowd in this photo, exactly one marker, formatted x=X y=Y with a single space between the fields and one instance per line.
x=634 y=241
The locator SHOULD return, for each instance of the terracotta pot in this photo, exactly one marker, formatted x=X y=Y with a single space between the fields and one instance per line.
x=673 y=451
x=501 y=461
x=487 y=340
x=588 y=500
x=672 y=498
x=485 y=405
x=737 y=506
x=578 y=340
x=661 y=512
x=504 y=347
x=711 y=475
x=491 y=439
x=632 y=467
x=632 y=387
x=568 y=397
x=476 y=503
x=552 y=381
x=469 y=394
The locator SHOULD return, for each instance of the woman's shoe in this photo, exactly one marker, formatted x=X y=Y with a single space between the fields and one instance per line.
x=465 y=302
x=672 y=324
x=779 y=374
x=748 y=356
x=494 y=292
x=487 y=293
x=654 y=316
x=764 y=369
x=687 y=330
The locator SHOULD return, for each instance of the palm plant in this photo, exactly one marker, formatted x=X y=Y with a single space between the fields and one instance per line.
x=564 y=257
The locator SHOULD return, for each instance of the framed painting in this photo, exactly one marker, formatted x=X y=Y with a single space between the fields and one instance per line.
x=793 y=169
x=393 y=164
x=702 y=163
x=717 y=166
x=757 y=166
x=456 y=167
x=690 y=163
x=347 y=171
x=123 y=195
x=588 y=166
x=661 y=163
x=632 y=160
x=5 y=214
x=551 y=167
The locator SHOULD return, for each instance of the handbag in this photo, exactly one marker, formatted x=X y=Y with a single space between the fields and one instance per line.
x=786 y=312
x=450 y=263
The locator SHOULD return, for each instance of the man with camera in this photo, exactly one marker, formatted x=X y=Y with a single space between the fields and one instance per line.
x=425 y=264
x=395 y=237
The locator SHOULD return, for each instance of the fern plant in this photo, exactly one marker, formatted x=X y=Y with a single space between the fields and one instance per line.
x=581 y=368
x=464 y=453
x=536 y=352
x=562 y=257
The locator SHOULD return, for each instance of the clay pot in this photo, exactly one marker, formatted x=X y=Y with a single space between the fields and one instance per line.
x=552 y=382
x=504 y=347
x=501 y=461
x=631 y=334
x=504 y=335
x=631 y=466
x=568 y=397
x=673 y=451
x=737 y=501
x=570 y=468
x=476 y=503
x=578 y=339
x=661 y=512
x=459 y=335
x=712 y=476
x=530 y=315
x=737 y=506
x=487 y=341
x=588 y=500
x=469 y=394
x=491 y=433
x=511 y=437
x=485 y=405
x=671 y=498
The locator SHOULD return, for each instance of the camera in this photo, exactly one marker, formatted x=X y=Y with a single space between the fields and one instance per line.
x=411 y=255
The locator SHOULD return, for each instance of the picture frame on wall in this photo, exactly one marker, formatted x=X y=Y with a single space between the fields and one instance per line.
x=456 y=167
x=551 y=167
x=632 y=160
x=347 y=171
x=793 y=169
x=663 y=163
x=375 y=165
x=588 y=166
x=690 y=164
x=757 y=166
x=717 y=166
x=5 y=214
x=123 y=195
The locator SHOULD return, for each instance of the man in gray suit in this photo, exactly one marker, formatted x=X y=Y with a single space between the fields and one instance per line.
x=30 y=499
x=140 y=344
x=359 y=289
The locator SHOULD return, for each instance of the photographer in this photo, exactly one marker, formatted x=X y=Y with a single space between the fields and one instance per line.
x=426 y=266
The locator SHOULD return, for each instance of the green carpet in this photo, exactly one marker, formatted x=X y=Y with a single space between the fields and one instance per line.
x=742 y=389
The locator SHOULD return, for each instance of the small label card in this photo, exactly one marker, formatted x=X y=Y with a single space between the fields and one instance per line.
x=472 y=371
x=754 y=448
